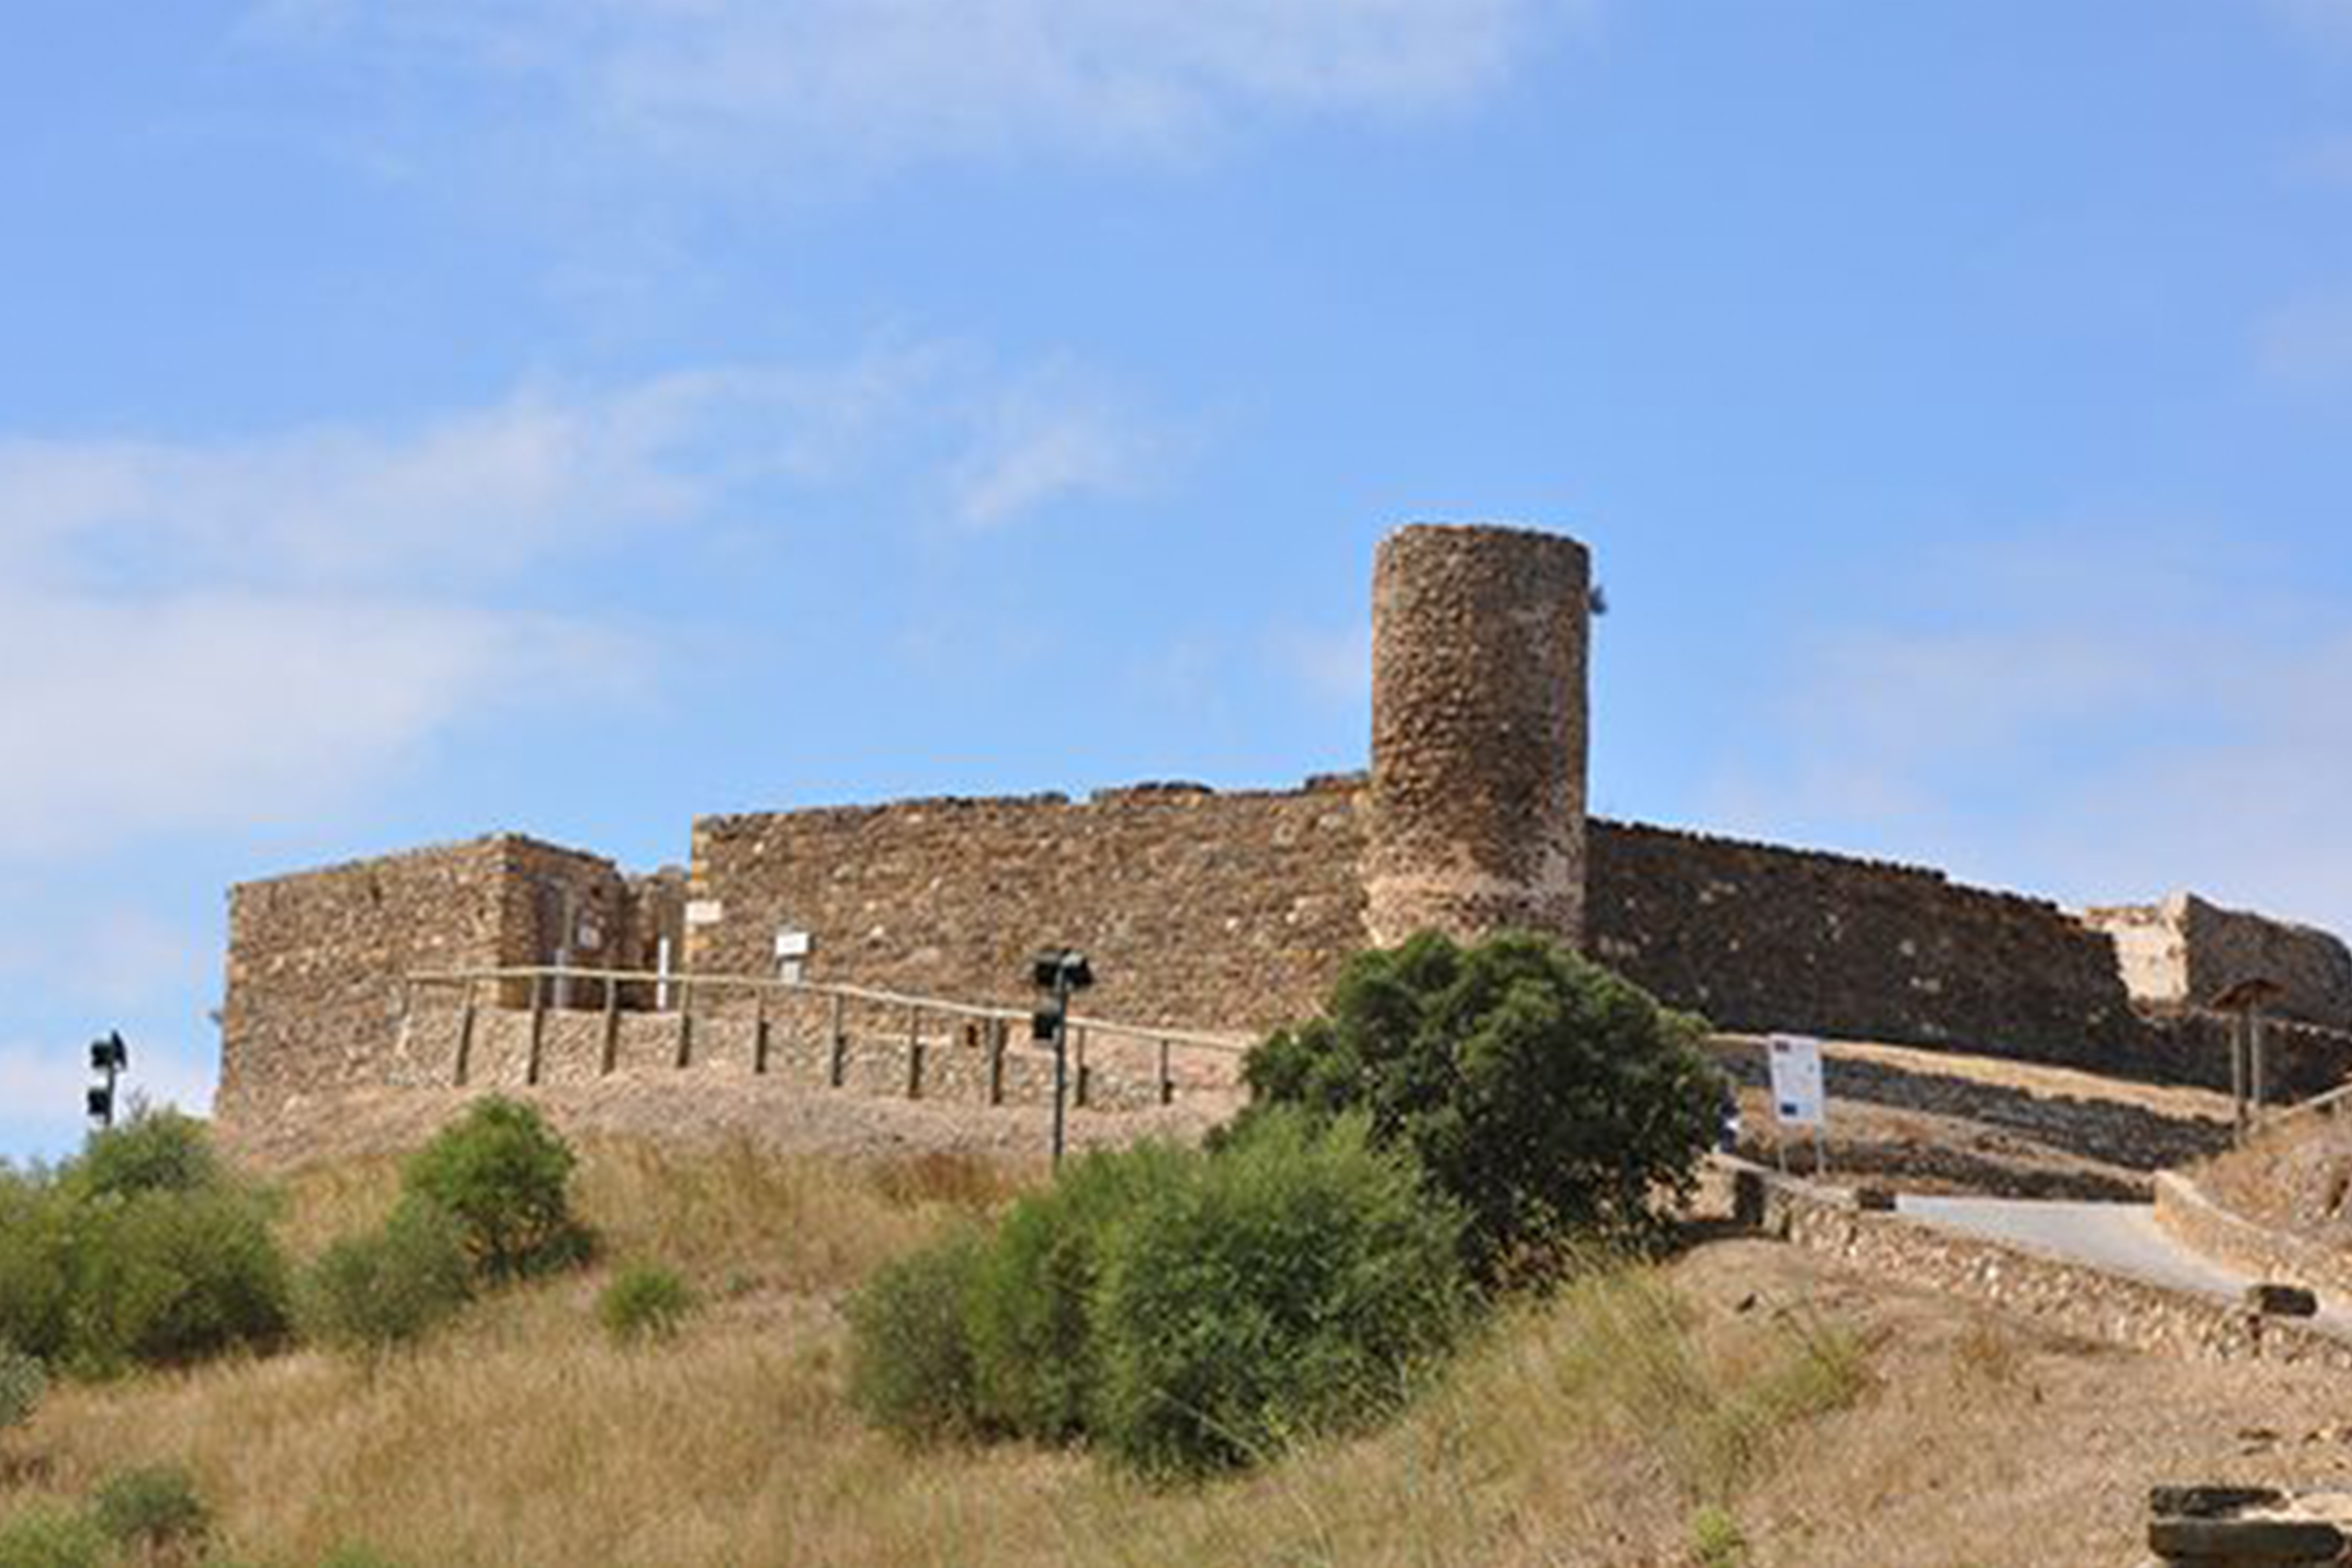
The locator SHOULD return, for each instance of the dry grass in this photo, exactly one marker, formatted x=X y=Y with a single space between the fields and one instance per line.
x=1743 y=1395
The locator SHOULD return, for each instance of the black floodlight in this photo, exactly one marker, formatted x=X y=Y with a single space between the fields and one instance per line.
x=1066 y=969
x=109 y=1055
x=1045 y=1024
x=110 y=1058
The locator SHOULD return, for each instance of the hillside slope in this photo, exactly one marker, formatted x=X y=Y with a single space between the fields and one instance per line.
x=1826 y=1418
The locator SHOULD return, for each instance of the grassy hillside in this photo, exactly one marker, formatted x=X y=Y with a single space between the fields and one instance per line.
x=1740 y=1394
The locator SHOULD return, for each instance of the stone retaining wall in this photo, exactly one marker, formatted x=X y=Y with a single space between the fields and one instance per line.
x=2067 y=1297
x=2199 y=1222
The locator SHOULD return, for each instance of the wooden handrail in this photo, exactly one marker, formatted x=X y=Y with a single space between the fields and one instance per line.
x=1190 y=1040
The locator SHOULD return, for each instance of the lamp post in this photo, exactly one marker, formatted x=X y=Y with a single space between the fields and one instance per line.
x=1058 y=973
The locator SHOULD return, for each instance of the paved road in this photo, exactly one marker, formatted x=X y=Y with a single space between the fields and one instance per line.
x=2120 y=1237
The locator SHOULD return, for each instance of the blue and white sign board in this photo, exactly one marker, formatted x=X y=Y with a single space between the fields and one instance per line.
x=1798 y=1097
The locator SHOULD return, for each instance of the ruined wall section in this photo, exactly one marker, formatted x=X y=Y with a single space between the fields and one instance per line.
x=1761 y=938
x=1477 y=806
x=316 y=958
x=2184 y=952
x=1200 y=910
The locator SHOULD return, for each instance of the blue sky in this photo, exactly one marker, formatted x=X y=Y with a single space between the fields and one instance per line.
x=574 y=415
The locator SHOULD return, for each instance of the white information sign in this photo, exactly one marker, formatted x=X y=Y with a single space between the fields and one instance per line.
x=1798 y=1098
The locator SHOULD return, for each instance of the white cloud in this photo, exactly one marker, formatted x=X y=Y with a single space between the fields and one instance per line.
x=1051 y=438
x=1333 y=667
x=217 y=632
x=2119 y=717
x=878 y=82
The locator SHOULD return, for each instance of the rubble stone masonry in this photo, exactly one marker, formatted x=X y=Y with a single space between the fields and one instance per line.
x=1478 y=733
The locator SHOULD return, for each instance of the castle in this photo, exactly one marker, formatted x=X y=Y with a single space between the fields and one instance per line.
x=1231 y=912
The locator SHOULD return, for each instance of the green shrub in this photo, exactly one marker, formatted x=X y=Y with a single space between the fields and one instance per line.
x=645 y=1302
x=1553 y=1100
x=23 y=1381
x=391 y=1286
x=505 y=1175
x=910 y=1369
x=155 y=1151
x=51 y=1538
x=143 y=1251
x=1034 y=1352
x=36 y=1264
x=1717 y=1540
x=1297 y=1284
x=168 y=1277
x=149 y=1510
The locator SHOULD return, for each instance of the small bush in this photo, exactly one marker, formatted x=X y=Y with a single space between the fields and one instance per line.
x=23 y=1381
x=143 y=1251
x=51 y=1538
x=505 y=1175
x=155 y=1151
x=1717 y=1540
x=1553 y=1100
x=1034 y=1352
x=390 y=1286
x=912 y=1370
x=1298 y=1284
x=170 y=1277
x=37 y=1273
x=151 y=1510
x=645 y=1302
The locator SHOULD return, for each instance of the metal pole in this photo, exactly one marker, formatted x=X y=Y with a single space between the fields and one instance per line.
x=2254 y=1030
x=1061 y=1062
x=2238 y=1073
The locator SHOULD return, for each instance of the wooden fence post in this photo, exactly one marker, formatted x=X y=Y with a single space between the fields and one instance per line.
x=685 y=1023
x=465 y=1037
x=1167 y=1077
x=612 y=1028
x=837 y=1061
x=759 y=1036
x=914 y=1053
x=538 y=1029
x=997 y=1030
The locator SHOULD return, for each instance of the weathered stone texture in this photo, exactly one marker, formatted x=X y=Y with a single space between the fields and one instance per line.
x=1478 y=733
x=1760 y=938
x=2185 y=952
x=2062 y=1295
x=315 y=959
x=1200 y=910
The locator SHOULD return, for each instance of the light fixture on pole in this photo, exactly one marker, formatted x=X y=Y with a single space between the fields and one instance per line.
x=110 y=1058
x=1058 y=973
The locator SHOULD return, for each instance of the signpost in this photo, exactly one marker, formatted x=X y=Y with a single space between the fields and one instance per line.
x=1800 y=1099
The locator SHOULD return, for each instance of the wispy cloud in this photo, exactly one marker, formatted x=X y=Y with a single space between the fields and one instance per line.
x=197 y=633
x=2124 y=712
x=879 y=83
x=1054 y=436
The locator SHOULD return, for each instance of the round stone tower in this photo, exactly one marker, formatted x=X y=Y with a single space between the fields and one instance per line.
x=1478 y=733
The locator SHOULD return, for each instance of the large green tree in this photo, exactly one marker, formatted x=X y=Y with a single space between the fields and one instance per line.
x=1556 y=1101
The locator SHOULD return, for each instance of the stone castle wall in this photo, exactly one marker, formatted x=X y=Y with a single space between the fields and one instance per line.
x=1200 y=910
x=316 y=958
x=1231 y=913
x=2184 y=952
x=1761 y=938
